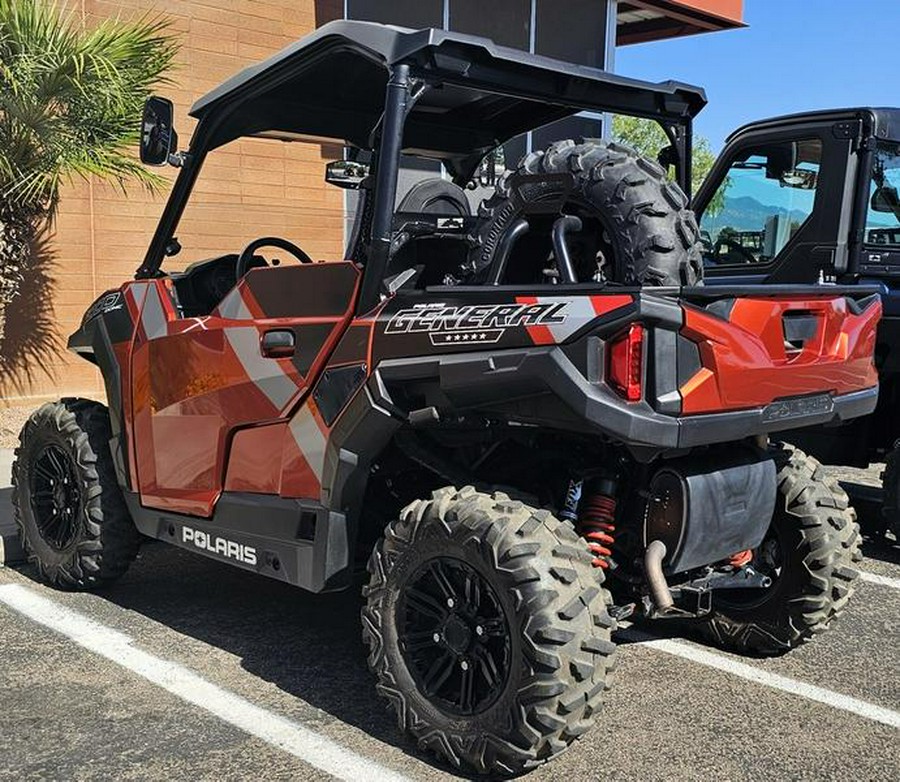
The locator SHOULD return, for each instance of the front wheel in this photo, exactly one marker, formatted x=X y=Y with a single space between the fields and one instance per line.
x=487 y=630
x=68 y=506
x=808 y=553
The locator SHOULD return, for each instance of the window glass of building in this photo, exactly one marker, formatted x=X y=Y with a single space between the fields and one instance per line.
x=573 y=31
x=506 y=22
x=415 y=14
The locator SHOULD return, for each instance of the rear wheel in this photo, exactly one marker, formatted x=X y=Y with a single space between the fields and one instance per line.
x=807 y=552
x=68 y=506
x=487 y=630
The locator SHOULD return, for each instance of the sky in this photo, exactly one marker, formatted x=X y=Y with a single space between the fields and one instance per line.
x=795 y=55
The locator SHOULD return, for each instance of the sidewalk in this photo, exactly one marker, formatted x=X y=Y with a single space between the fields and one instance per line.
x=10 y=549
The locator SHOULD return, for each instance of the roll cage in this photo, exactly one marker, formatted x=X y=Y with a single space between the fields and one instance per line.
x=431 y=93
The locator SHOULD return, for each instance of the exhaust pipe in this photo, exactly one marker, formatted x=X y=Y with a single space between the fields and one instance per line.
x=659 y=589
x=561 y=227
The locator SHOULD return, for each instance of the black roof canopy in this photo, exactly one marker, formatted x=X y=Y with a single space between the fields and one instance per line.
x=884 y=121
x=330 y=85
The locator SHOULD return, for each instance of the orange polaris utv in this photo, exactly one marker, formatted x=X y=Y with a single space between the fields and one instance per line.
x=529 y=421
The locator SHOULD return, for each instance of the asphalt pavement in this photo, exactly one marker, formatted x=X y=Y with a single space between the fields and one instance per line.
x=187 y=668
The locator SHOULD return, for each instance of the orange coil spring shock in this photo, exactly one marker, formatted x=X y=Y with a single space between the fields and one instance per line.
x=596 y=517
x=595 y=524
x=741 y=558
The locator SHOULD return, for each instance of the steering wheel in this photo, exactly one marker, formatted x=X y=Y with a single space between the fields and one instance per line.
x=732 y=246
x=247 y=254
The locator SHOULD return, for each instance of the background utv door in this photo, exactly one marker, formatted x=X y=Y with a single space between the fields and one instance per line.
x=772 y=209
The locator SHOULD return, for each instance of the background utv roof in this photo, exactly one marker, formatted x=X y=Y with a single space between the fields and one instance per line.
x=885 y=122
x=330 y=85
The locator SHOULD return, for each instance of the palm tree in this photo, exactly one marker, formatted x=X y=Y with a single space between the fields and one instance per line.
x=70 y=104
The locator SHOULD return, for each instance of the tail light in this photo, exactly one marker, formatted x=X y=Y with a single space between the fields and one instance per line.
x=625 y=370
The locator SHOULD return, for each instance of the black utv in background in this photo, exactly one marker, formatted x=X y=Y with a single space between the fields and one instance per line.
x=809 y=198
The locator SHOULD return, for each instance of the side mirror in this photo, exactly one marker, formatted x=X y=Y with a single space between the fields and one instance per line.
x=885 y=199
x=799 y=179
x=346 y=174
x=158 y=137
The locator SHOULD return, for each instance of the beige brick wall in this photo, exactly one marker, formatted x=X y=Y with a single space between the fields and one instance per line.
x=101 y=235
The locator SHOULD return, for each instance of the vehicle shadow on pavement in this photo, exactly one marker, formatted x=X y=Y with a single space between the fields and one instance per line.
x=867 y=502
x=308 y=645
x=881 y=548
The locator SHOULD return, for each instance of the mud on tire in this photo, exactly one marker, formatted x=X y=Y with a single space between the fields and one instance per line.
x=68 y=506
x=560 y=652
x=654 y=236
x=818 y=538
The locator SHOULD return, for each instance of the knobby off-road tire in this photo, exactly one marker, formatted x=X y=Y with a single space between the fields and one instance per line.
x=890 y=480
x=554 y=606
x=818 y=537
x=653 y=234
x=98 y=540
x=854 y=532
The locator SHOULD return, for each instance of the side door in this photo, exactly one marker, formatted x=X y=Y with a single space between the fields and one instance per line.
x=200 y=380
x=774 y=207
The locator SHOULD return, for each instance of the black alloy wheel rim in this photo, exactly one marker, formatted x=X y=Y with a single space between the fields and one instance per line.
x=56 y=497
x=454 y=636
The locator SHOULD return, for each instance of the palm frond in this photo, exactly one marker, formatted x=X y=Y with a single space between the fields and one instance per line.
x=71 y=98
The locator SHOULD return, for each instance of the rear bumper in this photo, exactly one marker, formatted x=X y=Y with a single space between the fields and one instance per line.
x=483 y=381
x=784 y=414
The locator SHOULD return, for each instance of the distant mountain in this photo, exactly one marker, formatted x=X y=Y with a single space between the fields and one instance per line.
x=747 y=214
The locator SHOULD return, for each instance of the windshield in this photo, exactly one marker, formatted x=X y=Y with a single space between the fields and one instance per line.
x=883 y=217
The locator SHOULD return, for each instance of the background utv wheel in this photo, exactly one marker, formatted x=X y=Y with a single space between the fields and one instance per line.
x=808 y=552
x=644 y=219
x=487 y=630
x=68 y=506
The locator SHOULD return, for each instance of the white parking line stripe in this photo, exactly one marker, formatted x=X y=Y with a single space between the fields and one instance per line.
x=836 y=700
x=287 y=735
x=885 y=581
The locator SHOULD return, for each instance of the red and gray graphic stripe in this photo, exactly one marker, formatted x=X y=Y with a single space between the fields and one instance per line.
x=146 y=309
x=153 y=315
x=310 y=438
x=234 y=306
x=134 y=298
x=578 y=312
x=267 y=374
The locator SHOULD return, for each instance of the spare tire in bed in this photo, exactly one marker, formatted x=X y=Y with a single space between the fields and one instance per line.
x=645 y=234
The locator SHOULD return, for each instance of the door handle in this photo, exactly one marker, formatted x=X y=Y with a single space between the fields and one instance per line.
x=278 y=343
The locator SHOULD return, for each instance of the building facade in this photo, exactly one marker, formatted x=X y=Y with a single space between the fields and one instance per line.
x=255 y=188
